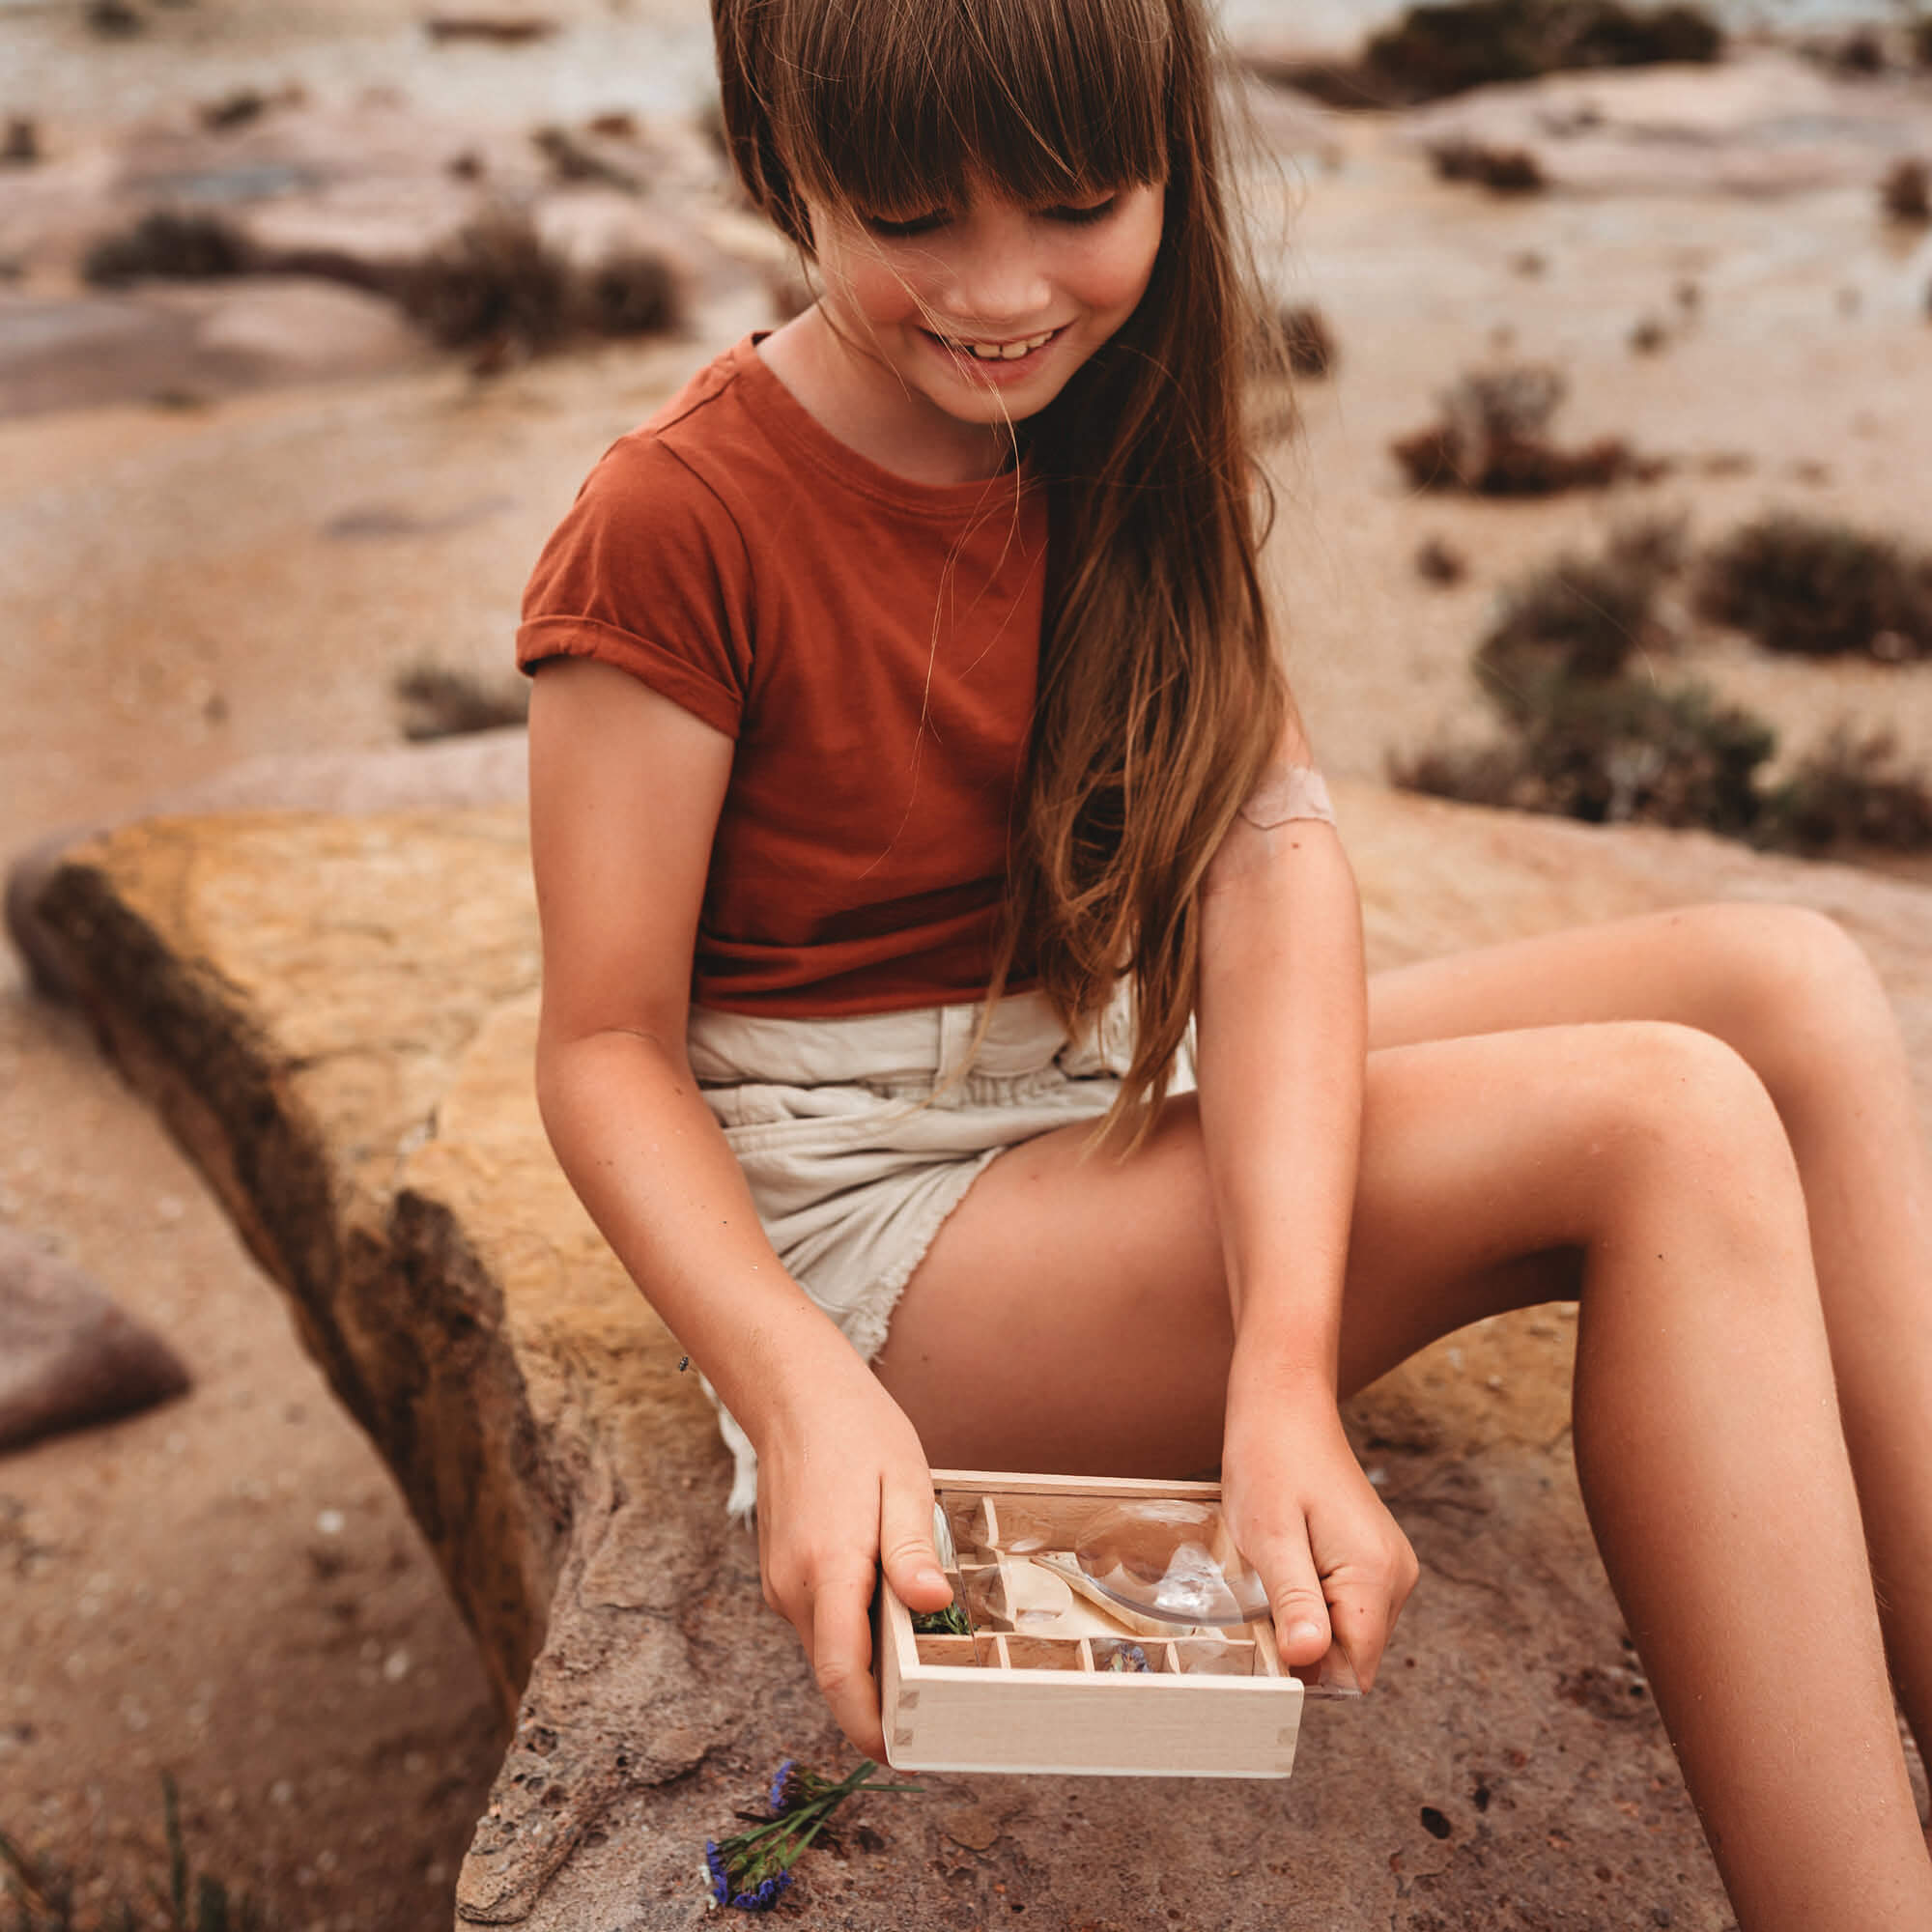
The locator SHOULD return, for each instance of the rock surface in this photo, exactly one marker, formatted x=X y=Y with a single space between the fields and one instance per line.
x=1764 y=122
x=68 y=1357
x=330 y=208
x=478 y=768
x=335 y=1015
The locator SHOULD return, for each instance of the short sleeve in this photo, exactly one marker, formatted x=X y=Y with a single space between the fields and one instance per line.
x=647 y=572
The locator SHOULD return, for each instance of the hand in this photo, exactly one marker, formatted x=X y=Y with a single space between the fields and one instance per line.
x=844 y=1487
x=1337 y=1566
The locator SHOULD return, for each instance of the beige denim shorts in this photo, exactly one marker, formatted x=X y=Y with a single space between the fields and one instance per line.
x=858 y=1136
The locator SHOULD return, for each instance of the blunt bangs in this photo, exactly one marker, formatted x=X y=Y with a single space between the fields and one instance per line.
x=896 y=111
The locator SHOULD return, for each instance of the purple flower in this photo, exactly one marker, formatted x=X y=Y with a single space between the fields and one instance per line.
x=752 y=1868
x=765 y=1897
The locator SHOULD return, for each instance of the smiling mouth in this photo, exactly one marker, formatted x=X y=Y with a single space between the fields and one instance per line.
x=995 y=351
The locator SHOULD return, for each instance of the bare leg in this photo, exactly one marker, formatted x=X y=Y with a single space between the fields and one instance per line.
x=1654 y=1152
x=1797 y=999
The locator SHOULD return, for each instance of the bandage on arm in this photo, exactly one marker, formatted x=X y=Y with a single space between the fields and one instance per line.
x=1286 y=792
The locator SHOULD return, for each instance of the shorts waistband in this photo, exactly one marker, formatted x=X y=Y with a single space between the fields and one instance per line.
x=917 y=1044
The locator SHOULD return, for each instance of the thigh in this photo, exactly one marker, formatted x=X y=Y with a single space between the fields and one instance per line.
x=1072 y=1314
x=1719 y=968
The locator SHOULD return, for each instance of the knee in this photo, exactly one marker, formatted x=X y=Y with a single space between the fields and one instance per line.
x=1792 y=991
x=1685 y=1109
x=1695 y=1158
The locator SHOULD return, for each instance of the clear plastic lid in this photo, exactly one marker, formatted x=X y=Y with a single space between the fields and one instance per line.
x=1171 y=1560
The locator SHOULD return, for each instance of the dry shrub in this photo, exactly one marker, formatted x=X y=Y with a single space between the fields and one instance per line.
x=1655 y=547
x=633 y=294
x=494 y=282
x=1437 y=561
x=499 y=288
x=1851 y=791
x=1501 y=170
x=1579 y=620
x=571 y=159
x=1490 y=440
x=490 y=27
x=495 y=286
x=1819 y=588
x=48 y=1896
x=1307 y=341
x=114 y=18
x=1613 y=750
x=167 y=243
x=1587 y=738
x=233 y=110
x=436 y=703
x=1576 y=622
x=1434 y=51
x=1860 y=53
x=1906 y=193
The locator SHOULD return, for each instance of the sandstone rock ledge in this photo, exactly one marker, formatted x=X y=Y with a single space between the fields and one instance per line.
x=335 y=1016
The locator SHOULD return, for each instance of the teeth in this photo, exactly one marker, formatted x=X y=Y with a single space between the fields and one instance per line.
x=993 y=352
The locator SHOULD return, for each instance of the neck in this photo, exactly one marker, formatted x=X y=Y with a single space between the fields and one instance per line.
x=855 y=397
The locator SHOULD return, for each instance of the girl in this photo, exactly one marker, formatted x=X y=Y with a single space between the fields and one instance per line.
x=911 y=770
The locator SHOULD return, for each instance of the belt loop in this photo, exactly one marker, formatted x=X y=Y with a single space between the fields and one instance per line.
x=955 y=1034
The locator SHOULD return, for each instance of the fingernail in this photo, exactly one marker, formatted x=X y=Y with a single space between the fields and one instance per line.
x=929 y=1576
x=1302 y=1632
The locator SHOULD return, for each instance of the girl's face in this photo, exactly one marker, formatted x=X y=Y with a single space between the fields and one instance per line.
x=977 y=315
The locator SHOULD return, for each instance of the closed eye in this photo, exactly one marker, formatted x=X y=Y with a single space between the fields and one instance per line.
x=1083 y=218
x=1068 y=214
x=904 y=231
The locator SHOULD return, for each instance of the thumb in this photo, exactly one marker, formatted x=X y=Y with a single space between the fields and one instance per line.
x=1300 y=1611
x=906 y=1551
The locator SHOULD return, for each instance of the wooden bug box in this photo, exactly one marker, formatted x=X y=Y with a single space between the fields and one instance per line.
x=1052 y=1679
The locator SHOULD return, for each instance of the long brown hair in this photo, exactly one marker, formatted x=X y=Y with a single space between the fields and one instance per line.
x=1160 y=700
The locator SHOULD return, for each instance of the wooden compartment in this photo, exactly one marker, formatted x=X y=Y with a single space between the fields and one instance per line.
x=1054 y=1680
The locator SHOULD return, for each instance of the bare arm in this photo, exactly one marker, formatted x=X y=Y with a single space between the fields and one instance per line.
x=1283 y=1039
x=625 y=791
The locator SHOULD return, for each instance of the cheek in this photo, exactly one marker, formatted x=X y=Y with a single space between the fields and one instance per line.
x=1121 y=274
x=875 y=291
x=1120 y=282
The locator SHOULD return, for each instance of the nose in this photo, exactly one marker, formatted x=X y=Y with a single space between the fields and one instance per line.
x=999 y=276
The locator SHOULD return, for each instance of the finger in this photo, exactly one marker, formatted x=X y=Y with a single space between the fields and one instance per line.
x=758 y=1521
x=1361 y=1613
x=905 y=1548
x=842 y=1661
x=1301 y=1612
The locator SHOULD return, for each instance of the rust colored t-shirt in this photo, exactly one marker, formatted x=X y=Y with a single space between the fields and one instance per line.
x=872 y=646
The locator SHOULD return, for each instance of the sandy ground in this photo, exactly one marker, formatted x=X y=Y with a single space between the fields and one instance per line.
x=228 y=1589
